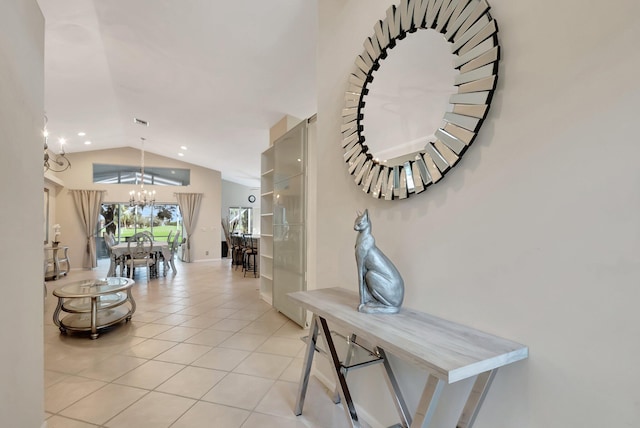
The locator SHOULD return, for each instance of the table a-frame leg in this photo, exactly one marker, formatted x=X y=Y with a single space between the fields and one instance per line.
x=347 y=361
x=476 y=397
x=306 y=368
x=428 y=402
x=394 y=388
x=341 y=381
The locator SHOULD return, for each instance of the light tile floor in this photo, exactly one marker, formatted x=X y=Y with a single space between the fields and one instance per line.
x=202 y=350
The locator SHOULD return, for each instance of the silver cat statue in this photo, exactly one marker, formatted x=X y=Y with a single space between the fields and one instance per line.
x=381 y=286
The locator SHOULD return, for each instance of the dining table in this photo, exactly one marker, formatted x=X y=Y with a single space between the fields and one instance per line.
x=159 y=248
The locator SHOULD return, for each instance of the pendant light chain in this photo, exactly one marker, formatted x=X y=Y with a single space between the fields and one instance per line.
x=142 y=198
x=142 y=162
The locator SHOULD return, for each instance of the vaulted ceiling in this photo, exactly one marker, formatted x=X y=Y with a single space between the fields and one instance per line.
x=208 y=75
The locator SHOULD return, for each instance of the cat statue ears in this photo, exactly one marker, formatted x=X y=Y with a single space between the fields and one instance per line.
x=366 y=212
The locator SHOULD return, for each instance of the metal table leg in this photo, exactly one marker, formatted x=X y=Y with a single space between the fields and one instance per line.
x=350 y=351
x=345 y=395
x=94 y=317
x=56 y=315
x=306 y=368
x=428 y=402
x=394 y=388
x=475 y=399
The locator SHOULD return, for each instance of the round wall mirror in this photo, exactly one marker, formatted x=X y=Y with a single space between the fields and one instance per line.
x=418 y=94
x=408 y=95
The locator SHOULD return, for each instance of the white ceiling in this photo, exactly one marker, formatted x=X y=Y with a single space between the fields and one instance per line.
x=210 y=75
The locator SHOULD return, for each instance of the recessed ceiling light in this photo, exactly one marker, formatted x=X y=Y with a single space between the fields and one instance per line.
x=183 y=147
x=87 y=143
x=81 y=134
x=180 y=154
x=62 y=140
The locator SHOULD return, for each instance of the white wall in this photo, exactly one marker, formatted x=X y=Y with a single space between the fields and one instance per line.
x=21 y=187
x=80 y=176
x=534 y=235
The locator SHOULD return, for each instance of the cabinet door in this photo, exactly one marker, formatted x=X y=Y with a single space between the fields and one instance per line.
x=289 y=153
x=288 y=269
x=288 y=206
x=289 y=228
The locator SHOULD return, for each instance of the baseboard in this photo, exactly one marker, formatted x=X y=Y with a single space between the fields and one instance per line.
x=267 y=298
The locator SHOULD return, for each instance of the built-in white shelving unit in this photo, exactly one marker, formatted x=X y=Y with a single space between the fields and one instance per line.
x=283 y=222
x=266 y=224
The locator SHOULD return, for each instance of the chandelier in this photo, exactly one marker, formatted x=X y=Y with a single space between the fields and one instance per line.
x=56 y=162
x=141 y=198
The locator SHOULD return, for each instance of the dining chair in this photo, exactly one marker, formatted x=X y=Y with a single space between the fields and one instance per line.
x=154 y=254
x=249 y=256
x=139 y=254
x=149 y=234
x=237 y=251
x=173 y=248
x=115 y=261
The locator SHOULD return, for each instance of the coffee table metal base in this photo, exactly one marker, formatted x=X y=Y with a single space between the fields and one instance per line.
x=94 y=305
x=84 y=322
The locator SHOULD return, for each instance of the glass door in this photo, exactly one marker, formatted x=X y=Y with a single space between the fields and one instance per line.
x=289 y=216
x=124 y=221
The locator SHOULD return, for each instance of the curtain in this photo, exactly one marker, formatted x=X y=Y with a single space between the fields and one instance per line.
x=88 y=204
x=189 y=204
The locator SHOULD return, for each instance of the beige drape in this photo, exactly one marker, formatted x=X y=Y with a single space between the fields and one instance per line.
x=189 y=204
x=88 y=204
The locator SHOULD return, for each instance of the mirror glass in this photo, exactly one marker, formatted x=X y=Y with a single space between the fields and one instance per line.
x=408 y=95
x=399 y=132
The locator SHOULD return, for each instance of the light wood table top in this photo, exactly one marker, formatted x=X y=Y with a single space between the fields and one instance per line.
x=448 y=350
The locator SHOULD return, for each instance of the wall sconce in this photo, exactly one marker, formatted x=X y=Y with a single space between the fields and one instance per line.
x=56 y=162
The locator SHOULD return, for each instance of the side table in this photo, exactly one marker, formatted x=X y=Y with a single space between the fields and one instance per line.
x=448 y=351
x=55 y=257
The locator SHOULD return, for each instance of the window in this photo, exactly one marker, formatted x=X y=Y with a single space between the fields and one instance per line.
x=125 y=174
x=125 y=221
x=240 y=220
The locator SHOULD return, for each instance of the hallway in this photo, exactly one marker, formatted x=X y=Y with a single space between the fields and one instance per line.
x=202 y=350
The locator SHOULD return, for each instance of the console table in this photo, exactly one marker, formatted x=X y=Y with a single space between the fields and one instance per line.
x=448 y=351
x=94 y=304
x=55 y=256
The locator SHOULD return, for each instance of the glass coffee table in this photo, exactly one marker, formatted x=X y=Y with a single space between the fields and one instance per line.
x=94 y=304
